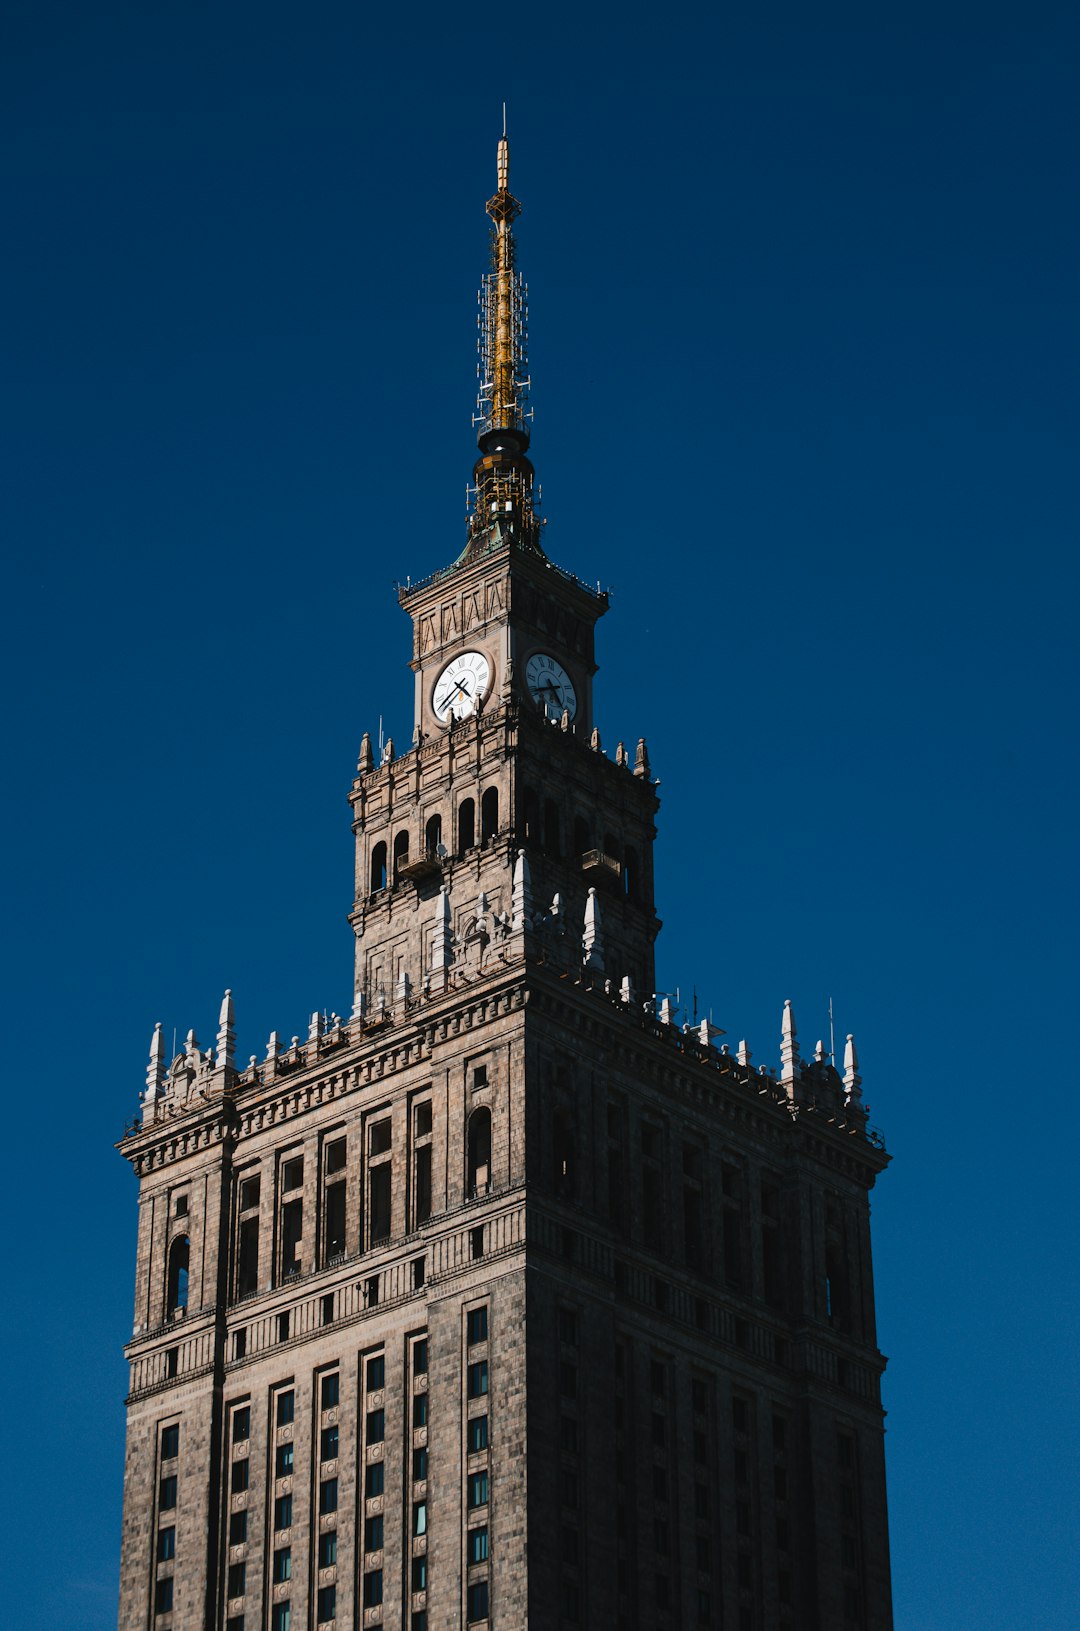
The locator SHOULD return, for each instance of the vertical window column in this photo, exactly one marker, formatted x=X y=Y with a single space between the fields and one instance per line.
x=625 y=1461
x=419 y=1580
x=661 y=1435
x=570 y=1436
x=781 y=1496
x=165 y=1545
x=237 y=1515
x=329 y=1446
x=380 y=1179
x=421 y=1162
x=373 y=1378
x=742 y=1425
x=477 y=1466
x=335 y=1180
x=286 y=1519
x=290 y=1216
x=704 y=1459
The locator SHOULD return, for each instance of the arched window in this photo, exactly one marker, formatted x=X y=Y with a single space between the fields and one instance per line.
x=612 y=847
x=401 y=853
x=433 y=835
x=379 y=866
x=479 y=1152
x=582 y=836
x=466 y=825
x=630 y=874
x=564 y=1152
x=179 y=1253
x=552 y=840
x=489 y=814
x=530 y=815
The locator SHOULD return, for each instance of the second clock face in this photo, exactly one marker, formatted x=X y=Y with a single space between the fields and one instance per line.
x=550 y=686
x=461 y=685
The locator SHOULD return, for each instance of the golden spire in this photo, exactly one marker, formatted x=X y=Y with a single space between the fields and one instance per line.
x=503 y=385
x=502 y=508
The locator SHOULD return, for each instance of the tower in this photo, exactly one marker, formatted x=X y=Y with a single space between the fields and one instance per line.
x=506 y=1300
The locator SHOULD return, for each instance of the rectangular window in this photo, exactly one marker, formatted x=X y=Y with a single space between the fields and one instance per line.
x=249 y=1193
x=329 y=1391
x=283 y=1326
x=379 y=1211
x=569 y=1545
x=373 y=1588
x=422 y=1203
x=419 y=1620
x=237 y=1579
x=477 y=1324
x=376 y=1426
x=166 y=1544
x=235 y=1622
x=374 y=1480
x=478 y=1601
x=163 y=1596
x=419 y=1410
x=292 y=1174
x=283 y=1461
x=238 y=1528
x=568 y=1434
x=568 y=1327
x=247 y=1268
x=422 y=1119
x=478 y=1545
x=170 y=1442
x=478 y=1488
x=568 y=1380
x=328 y=1444
x=419 y=1466
x=419 y=1518
x=283 y=1512
x=419 y=1357
x=328 y=1493
x=373 y=1534
x=376 y=1373
x=241 y=1424
x=292 y=1231
x=167 y=1493
x=281 y=1617
x=327 y=1604
x=328 y=1549
x=569 y=1488
x=286 y=1404
x=478 y=1379
x=335 y=1156
x=478 y=1434
x=335 y=1221
x=419 y=1574
x=379 y=1136
x=282 y=1565
x=180 y=1210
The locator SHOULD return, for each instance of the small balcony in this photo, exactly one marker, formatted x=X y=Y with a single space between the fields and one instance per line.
x=420 y=866
x=597 y=867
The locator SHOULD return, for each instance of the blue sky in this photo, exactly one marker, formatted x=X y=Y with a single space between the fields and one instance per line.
x=804 y=352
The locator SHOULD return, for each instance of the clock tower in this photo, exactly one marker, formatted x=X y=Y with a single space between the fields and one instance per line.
x=506 y=773
x=512 y=1297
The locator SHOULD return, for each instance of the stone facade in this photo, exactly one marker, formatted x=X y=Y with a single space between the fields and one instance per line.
x=505 y=1301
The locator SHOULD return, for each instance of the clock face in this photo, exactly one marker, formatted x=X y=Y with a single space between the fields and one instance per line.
x=550 y=686
x=461 y=685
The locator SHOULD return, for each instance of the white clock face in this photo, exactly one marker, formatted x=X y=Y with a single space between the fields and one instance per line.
x=461 y=685
x=550 y=686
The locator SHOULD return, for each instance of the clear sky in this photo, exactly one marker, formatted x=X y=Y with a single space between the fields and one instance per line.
x=803 y=285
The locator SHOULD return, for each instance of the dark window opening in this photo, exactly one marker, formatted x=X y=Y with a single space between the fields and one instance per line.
x=582 y=836
x=330 y=1390
x=552 y=830
x=422 y=1203
x=378 y=867
x=479 y=1152
x=401 y=853
x=170 y=1441
x=564 y=1152
x=630 y=874
x=836 y=1285
x=418 y=1273
x=292 y=1174
x=328 y=1308
x=476 y=1242
x=249 y=1193
x=693 y=1234
x=283 y=1326
x=380 y=1202
x=179 y=1253
x=247 y=1268
x=650 y=1206
x=772 y=1263
x=335 y=1156
x=335 y=1221
x=292 y=1232
x=732 y=1247
x=489 y=814
x=466 y=825
x=530 y=816
x=433 y=835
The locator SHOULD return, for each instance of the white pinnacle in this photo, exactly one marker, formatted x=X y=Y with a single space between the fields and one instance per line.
x=789 y=1047
x=592 y=941
x=852 y=1079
